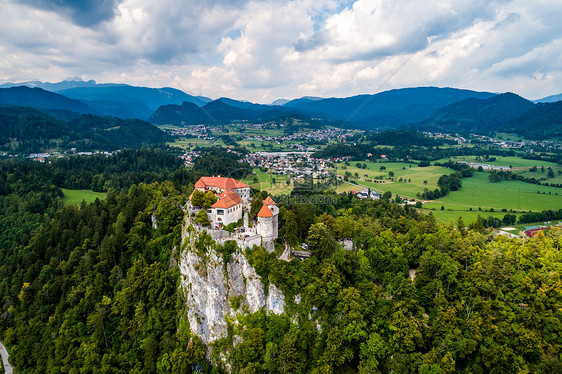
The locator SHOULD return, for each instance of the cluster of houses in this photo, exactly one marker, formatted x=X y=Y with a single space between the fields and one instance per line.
x=297 y=164
x=198 y=131
x=42 y=157
x=324 y=135
x=189 y=157
x=233 y=205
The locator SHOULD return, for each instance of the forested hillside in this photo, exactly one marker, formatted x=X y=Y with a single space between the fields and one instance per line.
x=95 y=288
x=41 y=99
x=26 y=130
x=388 y=109
x=478 y=115
x=544 y=121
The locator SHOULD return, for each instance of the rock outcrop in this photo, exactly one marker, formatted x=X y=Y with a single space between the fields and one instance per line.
x=216 y=291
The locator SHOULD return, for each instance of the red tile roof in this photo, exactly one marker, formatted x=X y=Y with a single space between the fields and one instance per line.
x=220 y=182
x=227 y=199
x=269 y=201
x=265 y=212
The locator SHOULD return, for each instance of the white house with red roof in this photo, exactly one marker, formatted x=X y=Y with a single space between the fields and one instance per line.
x=221 y=184
x=233 y=202
x=232 y=195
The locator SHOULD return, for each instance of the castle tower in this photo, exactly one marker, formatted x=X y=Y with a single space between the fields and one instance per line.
x=268 y=223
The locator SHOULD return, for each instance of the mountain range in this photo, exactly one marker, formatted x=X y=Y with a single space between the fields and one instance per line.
x=221 y=111
x=42 y=99
x=118 y=100
x=387 y=109
x=428 y=108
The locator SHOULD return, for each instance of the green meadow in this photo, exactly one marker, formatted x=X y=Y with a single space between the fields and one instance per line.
x=413 y=177
x=478 y=191
x=265 y=181
x=75 y=197
x=513 y=161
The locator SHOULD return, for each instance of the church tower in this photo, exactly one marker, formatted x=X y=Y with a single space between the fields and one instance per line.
x=268 y=223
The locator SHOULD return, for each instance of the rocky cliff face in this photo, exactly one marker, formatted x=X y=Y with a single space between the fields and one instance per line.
x=217 y=292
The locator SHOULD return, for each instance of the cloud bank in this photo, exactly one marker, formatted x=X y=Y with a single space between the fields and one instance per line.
x=264 y=50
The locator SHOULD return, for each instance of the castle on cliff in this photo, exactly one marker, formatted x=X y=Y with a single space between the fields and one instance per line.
x=233 y=205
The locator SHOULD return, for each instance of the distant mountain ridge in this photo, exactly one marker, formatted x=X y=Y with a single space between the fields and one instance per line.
x=431 y=108
x=42 y=99
x=126 y=101
x=473 y=114
x=219 y=111
x=53 y=87
x=549 y=99
x=387 y=109
x=224 y=111
x=118 y=100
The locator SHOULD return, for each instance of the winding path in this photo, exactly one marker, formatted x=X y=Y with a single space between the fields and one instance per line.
x=4 y=354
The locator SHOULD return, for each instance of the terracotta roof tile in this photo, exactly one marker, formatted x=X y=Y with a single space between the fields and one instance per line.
x=269 y=201
x=227 y=199
x=220 y=182
x=265 y=212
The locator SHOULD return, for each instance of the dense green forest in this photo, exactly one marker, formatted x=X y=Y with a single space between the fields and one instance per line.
x=411 y=297
x=481 y=116
x=94 y=288
x=26 y=130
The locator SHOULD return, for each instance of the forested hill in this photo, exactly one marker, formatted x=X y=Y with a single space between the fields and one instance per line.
x=387 y=109
x=28 y=130
x=117 y=100
x=221 y=111
x=96 y=288
x=124 y=101
x=478 y=115
x=544 y=121
x=129 y=133
x=41 y=99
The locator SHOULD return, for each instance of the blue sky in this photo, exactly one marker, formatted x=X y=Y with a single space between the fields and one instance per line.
x=264 y=50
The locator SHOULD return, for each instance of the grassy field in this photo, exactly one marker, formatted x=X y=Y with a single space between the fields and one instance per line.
x=75 y=197
x=346 y=187
x=467 y=216
x=266 y=145
x=515 y=162
x=264 y=181
x=412 y=175
x=478 y=191
x=540 y=175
